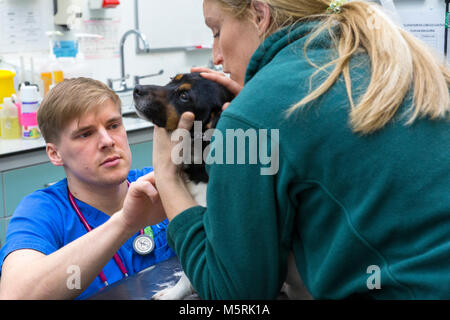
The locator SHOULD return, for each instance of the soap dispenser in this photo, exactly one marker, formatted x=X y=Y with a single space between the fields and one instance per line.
x=51 y=67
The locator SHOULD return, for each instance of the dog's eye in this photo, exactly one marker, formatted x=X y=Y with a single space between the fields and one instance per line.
x=184 y=96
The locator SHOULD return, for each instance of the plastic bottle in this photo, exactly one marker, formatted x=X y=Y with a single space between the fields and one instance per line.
x=6 y=84
x=73 y=63
x=28 y=114
x=57 y=78
x=82 y=65
x=9 y=120
x=68 y=67
x=51 y=65
x=47 y=80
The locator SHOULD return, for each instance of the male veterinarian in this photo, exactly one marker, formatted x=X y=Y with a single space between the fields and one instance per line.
x=83 y=226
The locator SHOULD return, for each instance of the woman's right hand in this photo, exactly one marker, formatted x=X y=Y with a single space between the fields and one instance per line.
x=220 y=78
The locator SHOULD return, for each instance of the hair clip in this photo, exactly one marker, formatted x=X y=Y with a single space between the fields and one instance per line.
x=335 y=6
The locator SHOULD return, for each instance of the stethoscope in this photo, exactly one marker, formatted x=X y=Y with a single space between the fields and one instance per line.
x=143 y=244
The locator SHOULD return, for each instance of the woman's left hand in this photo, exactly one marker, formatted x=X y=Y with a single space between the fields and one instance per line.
x=168 y=175
x=164 y=162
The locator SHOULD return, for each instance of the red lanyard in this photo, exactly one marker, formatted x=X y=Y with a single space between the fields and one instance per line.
x=89 y=228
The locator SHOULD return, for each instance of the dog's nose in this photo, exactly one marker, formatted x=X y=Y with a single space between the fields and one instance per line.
x=138 y=91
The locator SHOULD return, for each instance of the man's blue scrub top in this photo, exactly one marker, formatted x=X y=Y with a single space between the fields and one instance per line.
x=45 y=221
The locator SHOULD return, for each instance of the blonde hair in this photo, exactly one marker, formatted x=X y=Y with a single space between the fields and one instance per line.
x=399 y=61
x=69 y=100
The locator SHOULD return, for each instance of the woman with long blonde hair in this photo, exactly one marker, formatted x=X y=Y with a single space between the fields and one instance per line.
x=359 y=193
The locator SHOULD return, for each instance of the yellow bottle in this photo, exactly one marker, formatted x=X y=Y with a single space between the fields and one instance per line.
x=6 y=84
x=9 y=120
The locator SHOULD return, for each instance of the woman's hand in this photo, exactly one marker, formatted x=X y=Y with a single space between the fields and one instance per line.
x=164 y=162
x=220 y=78
x=168 y=175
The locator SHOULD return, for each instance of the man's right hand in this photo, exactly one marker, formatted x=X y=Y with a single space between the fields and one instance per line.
x=142 y=206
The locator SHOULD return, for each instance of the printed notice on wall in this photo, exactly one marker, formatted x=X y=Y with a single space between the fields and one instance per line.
x=428 y=26
x=108 y=45
x=23 y=25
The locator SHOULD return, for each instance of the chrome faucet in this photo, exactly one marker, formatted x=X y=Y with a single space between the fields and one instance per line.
x=138 y=78
x=123 y=83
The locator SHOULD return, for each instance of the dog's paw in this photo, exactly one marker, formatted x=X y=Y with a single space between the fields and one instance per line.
x=181 y=290
x=169 y=294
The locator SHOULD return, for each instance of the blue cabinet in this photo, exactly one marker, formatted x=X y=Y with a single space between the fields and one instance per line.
x=20 y=182
x=3 y=223
x=142 y=154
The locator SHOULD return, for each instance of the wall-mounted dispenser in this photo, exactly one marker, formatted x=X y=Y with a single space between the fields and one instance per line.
x=68 y=13
x=103 y=4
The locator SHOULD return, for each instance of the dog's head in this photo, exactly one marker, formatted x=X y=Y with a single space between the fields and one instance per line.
x=163 y=105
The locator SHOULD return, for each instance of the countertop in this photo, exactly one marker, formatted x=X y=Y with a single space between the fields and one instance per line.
x=8 y=147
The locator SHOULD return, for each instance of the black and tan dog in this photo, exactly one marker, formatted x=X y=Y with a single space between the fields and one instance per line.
x=163 y=105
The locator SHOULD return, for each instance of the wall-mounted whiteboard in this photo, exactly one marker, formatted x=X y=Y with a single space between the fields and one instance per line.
x=173 y=23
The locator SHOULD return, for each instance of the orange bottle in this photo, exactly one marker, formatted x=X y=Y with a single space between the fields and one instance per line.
x=47 y=81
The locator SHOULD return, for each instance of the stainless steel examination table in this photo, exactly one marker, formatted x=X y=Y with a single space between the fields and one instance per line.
x=143 y=285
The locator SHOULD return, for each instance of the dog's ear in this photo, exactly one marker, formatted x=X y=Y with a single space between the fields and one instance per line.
x=224 y=96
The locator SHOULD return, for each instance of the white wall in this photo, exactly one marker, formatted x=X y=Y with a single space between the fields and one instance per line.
x=181 y=61
x=172 y=62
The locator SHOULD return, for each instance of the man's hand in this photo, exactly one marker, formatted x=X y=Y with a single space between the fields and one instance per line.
x=142 y=206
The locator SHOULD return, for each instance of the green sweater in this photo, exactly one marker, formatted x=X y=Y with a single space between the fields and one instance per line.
x=341 y=202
